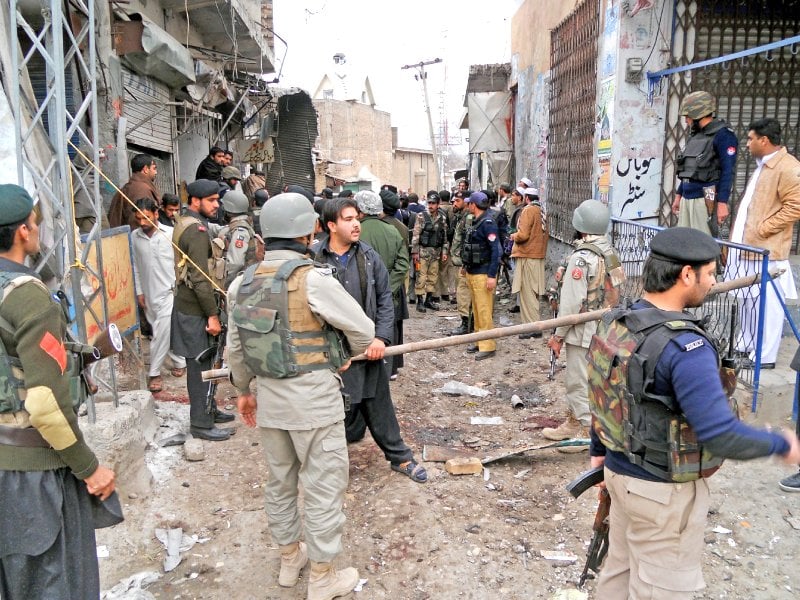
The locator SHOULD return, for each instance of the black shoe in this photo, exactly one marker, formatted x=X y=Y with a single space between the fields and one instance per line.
x=214 y=434
x=222 y=417
x=791 y=483
x=430 y=302
x=412 y=299
x=453 y=300
x=514 y=309
x=445 y=297
x=485 y=354
x=472 y=349
x=528 y=336
x=420 y=306
x=461 y=329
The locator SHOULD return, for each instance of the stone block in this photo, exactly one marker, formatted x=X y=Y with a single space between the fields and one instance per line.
x=464 y=466
x=193 y=450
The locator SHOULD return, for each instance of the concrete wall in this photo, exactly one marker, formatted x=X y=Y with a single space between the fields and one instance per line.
x=630 y=129
x=413 y=170
x=356 y=132
x=530 y=65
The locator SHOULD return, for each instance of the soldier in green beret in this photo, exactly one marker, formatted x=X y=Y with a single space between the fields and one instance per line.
x=47 y=472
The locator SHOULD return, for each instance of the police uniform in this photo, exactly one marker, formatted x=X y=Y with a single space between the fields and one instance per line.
x=697 y=173
x=463 y=221
x=660 y=483
x=241 y=246
x=481 y=257
x=195 y=302
x=583 y=267
x=47 y=542
x=301 y=418
x=429 y=242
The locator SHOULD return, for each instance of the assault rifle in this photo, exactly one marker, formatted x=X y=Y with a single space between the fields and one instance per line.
x=552 y=297
x=598 y=548
x=217 y=351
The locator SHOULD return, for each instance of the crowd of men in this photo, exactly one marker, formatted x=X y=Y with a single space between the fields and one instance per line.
x=298 y=284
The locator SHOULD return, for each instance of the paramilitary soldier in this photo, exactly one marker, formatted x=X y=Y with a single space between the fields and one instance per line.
x=706 y=166
x=286 y=317
x=662 y=423
x=590 y=281
x=428 y=247
x=481 y=255
x=196 y=311
x=243 y=246
x=459 y=225
x=47 y=472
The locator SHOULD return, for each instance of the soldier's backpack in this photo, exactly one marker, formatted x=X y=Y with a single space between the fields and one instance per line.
x=280 y=336
x=605 y=288
x=628 y=416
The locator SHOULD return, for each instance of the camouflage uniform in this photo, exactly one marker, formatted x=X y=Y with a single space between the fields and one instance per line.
x=304 y=413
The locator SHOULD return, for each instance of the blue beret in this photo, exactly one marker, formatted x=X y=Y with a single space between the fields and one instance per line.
x=15 y=204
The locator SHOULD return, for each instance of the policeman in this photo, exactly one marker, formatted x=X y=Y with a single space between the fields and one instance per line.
x=243 y=246
x=298 y=403
x=195 y=315
x=428 y=248
x=47 y=471
x=656 y=479
x=461 y=222
x=481 y=255
x=583 y=289
x=706 y=166
x=260 y=198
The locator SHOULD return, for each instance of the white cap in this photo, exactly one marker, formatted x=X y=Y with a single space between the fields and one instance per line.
x=531 y=191
x=526 y=181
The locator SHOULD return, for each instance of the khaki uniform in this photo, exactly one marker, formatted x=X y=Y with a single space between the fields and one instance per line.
x=301 y=418
x=583 y=267
x=463 y=296
x=429 y=251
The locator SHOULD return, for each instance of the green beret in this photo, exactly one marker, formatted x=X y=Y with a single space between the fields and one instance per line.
x=684 y=246
x=15 y=204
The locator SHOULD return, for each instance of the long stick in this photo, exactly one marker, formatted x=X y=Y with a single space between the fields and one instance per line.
x=499 y=332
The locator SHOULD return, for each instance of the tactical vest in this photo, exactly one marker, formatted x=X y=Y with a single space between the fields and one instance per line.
x=698 y=161
x=463 y=221
x=216 y=262
x=12 y=377
x=433 y=233
x=628 y=416
x=473 y=252
x=280 y=335
x=604 y=288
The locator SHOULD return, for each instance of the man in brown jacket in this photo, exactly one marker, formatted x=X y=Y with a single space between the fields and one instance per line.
x=140 y=185
x=528 y=252
x=765 y=218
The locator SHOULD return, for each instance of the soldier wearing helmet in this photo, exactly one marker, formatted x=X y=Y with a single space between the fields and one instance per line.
x=590 y=280
x=243 y=246
x=298 y=403
x=706 y=166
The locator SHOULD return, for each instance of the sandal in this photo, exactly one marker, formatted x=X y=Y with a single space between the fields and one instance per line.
x=155 y=384
x=178 y=372
x=412 y=470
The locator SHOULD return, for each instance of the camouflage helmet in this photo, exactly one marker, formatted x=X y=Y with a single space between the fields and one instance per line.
x=289 y=215
x=236 y=203
x=698 y=105
x=592 y=216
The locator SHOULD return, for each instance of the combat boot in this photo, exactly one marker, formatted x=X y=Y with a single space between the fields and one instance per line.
x=293 y=558
x=429 y=302
x=569 y=429
x=420 y=304
x=325 y=583
x=463 y=328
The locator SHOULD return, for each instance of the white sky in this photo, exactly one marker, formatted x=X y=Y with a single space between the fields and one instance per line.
x=379 y=37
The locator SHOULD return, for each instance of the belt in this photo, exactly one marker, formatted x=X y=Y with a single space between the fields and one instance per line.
x=25 y=438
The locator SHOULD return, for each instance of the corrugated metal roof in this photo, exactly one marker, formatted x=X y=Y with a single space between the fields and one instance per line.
x=297 y=133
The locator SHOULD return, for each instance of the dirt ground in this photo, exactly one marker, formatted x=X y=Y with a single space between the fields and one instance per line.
x=477 y=537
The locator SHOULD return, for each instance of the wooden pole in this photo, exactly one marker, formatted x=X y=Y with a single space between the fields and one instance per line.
x=499 y=332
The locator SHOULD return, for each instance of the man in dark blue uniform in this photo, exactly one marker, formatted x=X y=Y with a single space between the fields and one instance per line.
x=481 y=258
x=706 y=166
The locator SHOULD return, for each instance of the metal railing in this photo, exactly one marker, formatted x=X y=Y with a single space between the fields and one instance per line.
x=736 y=319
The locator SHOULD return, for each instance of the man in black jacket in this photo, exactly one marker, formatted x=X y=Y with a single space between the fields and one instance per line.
x=362 y=273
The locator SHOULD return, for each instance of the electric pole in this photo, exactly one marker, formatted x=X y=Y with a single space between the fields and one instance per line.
x=423 y=77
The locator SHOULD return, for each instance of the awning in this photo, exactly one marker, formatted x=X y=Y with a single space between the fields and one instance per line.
x=149 y=50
